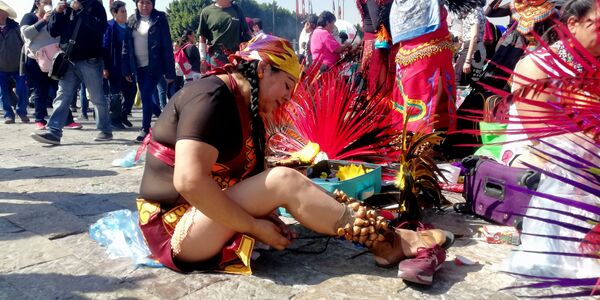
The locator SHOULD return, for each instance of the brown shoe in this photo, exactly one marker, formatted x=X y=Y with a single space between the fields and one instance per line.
x=9 y=120
x=24 y=118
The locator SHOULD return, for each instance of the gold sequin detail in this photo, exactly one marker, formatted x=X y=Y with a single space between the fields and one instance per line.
x=406 y=57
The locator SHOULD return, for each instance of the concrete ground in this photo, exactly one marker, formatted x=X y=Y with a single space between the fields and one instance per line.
x=50 y=195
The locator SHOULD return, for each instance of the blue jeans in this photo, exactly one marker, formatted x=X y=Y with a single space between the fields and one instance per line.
x=147 y=84
x=90 y=72
x=83 y=99
x=5 y=92
x=160 y=97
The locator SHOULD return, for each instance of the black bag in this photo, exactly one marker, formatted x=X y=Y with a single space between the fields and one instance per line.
x=60 y=61
x=487 y=194
x=60 y=65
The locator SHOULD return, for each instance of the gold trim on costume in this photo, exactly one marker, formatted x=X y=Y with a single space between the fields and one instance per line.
x=406 y=57
x=146 y=210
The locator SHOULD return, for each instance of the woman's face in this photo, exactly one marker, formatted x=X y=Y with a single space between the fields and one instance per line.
x=191 y=38
x=585 y=30
x=330 y=26
x=121 y=15
x=145 y=7
x=275 y=89
x=40 y=5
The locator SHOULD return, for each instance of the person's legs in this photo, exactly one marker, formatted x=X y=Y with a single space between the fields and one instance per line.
x=312 y=207
x=40 y=86
x=23 y=95
x=162 y=92
x=52 y=90
x=128 y=89
x=260 y=195
x=147 y=84
x=116 y=101
x=64 y=96
x=84 y=100
x=91 y=72
x=5 y=96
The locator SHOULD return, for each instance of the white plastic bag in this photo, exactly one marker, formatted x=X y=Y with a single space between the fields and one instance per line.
x=120 y=234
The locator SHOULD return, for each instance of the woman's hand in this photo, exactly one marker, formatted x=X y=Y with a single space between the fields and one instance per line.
x=285 y=230
x=269 y=233
x=467 y=67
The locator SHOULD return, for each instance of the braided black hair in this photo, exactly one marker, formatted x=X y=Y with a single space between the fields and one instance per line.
x=250 y=71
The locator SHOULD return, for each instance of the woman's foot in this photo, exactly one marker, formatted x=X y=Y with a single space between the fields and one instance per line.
x=402 y=243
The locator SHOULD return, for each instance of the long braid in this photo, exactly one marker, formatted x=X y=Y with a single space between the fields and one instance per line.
x=250 y=71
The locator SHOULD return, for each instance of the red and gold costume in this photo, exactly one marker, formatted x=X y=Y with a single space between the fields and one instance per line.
x=425 y=84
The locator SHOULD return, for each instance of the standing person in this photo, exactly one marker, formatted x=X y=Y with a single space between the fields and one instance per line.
x=176 y=85
x=376 y=63
x=40 y=47
x=149 y=54
x=222 y=29
x=121 y=90
x=472 y=53
x=324 y=48
x=310 y=23
x=529 y=19
x=192 y=54
x=86 y=65
x=425 y=90
x=11 y=44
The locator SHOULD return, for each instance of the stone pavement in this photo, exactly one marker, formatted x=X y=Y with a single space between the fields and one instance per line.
x=50 y=195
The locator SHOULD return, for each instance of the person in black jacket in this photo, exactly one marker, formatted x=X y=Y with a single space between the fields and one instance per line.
x=86 y=66
x=148 y=53
x=10 y=51
x=121 y=90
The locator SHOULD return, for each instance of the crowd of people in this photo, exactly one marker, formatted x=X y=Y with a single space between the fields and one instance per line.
x=210 y=95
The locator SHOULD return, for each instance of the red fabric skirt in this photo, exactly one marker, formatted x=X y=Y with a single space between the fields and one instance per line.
x=424 y=65
x=158 y=222
x=377 y=66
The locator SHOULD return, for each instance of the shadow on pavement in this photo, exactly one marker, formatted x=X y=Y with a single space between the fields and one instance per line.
x=35 y=172
x=62 y=286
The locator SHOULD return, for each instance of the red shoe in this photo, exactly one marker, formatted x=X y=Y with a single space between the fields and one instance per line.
x=421 y=268
x=40 y=125
x=73 y=125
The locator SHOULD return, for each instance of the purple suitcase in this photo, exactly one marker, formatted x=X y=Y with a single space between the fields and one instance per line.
x=487 y=194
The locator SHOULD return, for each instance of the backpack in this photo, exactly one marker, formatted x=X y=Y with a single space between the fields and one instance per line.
x=182 y=60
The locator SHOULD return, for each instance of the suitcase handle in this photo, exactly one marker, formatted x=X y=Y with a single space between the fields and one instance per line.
x=494 y=188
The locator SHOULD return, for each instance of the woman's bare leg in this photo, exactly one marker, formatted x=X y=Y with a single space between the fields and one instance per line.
x=260 y=195
x=308 y=203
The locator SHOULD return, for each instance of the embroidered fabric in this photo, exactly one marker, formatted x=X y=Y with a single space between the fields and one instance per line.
x=408 y=56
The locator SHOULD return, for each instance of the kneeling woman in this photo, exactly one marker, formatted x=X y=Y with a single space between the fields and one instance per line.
x=205 y=181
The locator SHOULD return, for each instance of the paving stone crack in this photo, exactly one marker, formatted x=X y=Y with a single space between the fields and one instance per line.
x=64 y=235
x=206 y=286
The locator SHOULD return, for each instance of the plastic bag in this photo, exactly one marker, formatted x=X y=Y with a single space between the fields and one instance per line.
x=551 y=265
x=127 y=161
x=120 y=234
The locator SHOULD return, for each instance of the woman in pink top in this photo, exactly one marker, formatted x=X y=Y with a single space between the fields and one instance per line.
x=323 y=46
